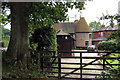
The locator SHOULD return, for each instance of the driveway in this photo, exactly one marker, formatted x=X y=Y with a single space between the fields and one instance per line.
x=76 y=60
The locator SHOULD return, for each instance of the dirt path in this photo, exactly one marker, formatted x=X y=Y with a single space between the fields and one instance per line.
x=68 y=60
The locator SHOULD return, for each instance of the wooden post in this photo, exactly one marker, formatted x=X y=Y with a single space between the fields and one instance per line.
x=103 y=62
x=81 y=66
x=103 y=65
x=59 y=65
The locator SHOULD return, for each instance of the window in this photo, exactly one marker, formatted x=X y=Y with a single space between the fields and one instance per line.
x=86 y=43
x=101 y=34
x=90 y=36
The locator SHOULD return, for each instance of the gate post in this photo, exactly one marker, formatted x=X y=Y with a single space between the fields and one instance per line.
x=59 y=65
x=81 y=65
x=103 y=65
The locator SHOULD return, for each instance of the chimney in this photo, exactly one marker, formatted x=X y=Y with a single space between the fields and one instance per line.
x=75 y=21
x=103 y=25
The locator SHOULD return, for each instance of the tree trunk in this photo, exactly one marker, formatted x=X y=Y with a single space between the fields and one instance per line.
x=18 y=46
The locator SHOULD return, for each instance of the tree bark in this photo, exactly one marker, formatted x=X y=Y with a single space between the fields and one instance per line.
x=18 y=45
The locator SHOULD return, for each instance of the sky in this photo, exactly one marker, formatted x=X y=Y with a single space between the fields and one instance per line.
x=94 y=10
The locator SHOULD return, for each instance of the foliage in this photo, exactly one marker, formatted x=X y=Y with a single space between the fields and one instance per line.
x=49 y=13
x=5 y=36
x=94 y=25
x=110 y=74
x=44 y=37
x=42 y=41
x=111 y=18
x=16 y=73
x=5 y=17
x=10 y=70
x=40 y=17
x=115 y=35
x=5 y=33
x=113 y=61
x=107 y=45
x=41 y=13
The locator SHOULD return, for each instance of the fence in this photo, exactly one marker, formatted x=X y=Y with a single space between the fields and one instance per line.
x=83 y=72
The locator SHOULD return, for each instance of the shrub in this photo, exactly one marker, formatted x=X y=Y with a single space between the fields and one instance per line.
x=111 y=74
x=107 y=45
x=42 y=40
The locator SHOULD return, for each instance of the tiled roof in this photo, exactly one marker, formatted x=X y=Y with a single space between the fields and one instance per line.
x=82 y=26
x=67 y=27
x=61 y=32
x=107 y=28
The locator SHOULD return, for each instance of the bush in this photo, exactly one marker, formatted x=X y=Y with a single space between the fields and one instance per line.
x=111 y=74
x=42 y=40
x=107 y=45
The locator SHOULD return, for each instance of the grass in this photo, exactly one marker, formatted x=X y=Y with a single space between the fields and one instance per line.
x=113 y=61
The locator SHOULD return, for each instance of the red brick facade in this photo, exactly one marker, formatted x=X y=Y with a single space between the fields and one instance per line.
x=102 y=34
x=99 y=34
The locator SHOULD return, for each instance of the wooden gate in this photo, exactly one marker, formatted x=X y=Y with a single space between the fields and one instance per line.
x=83 y=72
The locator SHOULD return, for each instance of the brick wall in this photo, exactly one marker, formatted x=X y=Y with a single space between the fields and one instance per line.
x=81 y=38
x=98 y=34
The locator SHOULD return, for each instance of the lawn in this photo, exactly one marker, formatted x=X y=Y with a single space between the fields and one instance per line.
x=113 y=61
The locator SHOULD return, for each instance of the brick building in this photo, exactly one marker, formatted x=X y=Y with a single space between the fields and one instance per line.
x=103 y=33
x=78 y=33
x=83 y=35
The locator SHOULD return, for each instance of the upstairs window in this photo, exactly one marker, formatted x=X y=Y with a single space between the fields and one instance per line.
x=101 y=34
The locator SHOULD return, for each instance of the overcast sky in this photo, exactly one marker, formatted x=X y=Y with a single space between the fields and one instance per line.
x=95 y=9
